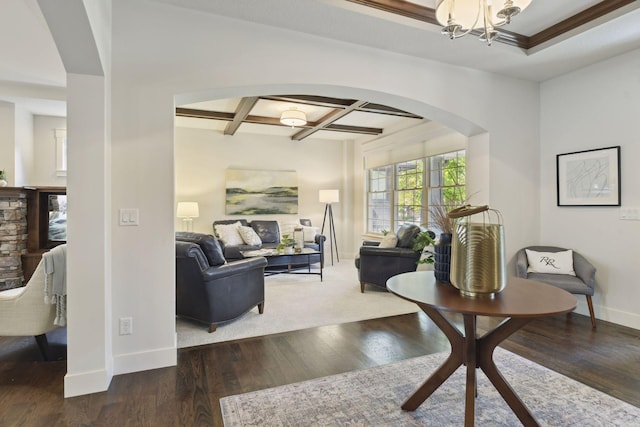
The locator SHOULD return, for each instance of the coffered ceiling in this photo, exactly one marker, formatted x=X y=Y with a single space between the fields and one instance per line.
x=327 y=118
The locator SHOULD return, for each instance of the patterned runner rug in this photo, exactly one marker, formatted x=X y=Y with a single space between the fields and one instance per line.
x=372 y=397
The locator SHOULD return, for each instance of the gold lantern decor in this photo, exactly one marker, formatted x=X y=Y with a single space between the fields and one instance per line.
x=477 y=251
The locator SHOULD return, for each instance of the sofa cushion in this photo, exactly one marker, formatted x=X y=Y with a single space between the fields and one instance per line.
x=229 y=234
x=249 y=236
x=209 y=245
x=406 y=234
x=269 y=231
x=230 y=221
x=389 y=241
x=309 y=233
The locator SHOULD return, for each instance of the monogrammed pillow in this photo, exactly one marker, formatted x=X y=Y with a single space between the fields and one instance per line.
x=550 y=262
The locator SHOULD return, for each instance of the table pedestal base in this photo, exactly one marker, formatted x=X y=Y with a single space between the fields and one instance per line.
x=474 y=352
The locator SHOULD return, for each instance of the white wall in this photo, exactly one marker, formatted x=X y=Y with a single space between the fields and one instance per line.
x=202 y=156
x=44 y=154
x=7 y=140
x=596 y=107
x=24 y=147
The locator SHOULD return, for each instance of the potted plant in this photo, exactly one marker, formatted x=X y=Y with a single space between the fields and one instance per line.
x=420 y=244
x=3 y=178
x=286 y=244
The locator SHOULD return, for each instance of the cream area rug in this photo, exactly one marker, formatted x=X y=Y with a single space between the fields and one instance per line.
x=372 y=397
x=294 y=302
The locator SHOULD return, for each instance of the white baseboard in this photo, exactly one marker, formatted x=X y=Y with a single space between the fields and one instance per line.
x=98 y=381
x=143 y=361
x=87 y=382
x=619 y=317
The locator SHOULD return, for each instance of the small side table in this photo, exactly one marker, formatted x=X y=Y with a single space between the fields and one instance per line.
x=520 y=302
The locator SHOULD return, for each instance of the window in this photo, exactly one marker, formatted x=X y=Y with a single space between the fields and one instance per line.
x=447 y=184
x=379 y=199
x=404 y=193
x=409 y=182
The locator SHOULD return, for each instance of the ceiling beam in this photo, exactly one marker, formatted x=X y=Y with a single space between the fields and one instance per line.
x=327 y=120
x=319 y=101
x=324 y=101
x=403 y=8
x=371 y=107
x=594 y=12
x=204 y=114
x=353 y=129
x=244 y=107
x=274 y=121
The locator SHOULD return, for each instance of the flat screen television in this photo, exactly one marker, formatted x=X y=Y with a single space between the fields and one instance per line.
x=57 y=219
x=47 y=218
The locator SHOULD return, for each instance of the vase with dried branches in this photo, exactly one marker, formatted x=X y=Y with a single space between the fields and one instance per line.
x=438 y=214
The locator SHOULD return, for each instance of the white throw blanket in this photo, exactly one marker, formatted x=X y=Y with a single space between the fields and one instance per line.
x=55 y=282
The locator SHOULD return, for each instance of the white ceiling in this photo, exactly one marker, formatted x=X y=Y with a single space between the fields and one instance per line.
x=32 y=74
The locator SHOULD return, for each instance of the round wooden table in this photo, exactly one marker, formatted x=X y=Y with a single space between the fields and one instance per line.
x=520 y=302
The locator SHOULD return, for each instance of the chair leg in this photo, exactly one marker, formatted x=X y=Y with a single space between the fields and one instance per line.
x=212 y=327
x=362 y=287
x=43 y=345
x=261 y=307
x=593 y=316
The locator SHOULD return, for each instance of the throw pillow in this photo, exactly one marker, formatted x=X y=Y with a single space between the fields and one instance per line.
x=309 y=233
x=550 y=262
x=389 y=241
x=229 y=234
x=249 y=236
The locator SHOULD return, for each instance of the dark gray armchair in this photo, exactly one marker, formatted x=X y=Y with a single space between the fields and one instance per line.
x=583 y=283
x=376 y=265
x=210 y=290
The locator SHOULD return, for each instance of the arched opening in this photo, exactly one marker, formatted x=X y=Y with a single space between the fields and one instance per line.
x=194 y=182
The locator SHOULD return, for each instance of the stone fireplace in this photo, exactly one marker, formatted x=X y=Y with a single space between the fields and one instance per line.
x=13 y=236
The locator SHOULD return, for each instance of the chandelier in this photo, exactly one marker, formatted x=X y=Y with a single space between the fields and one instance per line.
x=460 y=17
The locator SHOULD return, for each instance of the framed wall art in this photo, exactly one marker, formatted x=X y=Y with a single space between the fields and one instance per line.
x=260 y=192
x=589 y=178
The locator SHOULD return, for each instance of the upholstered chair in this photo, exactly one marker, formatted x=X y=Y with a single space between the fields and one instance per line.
x=23 y=311
x=583 y=283
x=210 y=290
x=377 y=264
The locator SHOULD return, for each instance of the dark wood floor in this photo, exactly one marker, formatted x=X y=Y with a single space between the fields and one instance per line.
x=187 y=395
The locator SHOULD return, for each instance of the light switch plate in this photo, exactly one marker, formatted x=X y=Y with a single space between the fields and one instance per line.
x=129 y=216
x=632 y=214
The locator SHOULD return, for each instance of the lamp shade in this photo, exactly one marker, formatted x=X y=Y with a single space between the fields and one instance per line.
x=293 y=118
x=329 y=196
x=188 y=210
x=470 y=13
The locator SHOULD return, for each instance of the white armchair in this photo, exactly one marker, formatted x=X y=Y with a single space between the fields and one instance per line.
x=23 y=311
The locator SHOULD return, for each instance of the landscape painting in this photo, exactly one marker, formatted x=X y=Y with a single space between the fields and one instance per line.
x=260 y=192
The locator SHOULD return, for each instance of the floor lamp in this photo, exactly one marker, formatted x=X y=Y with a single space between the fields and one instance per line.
x=328 y=197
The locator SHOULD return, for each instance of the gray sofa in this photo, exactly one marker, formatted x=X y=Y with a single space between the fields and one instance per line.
x=269 y=233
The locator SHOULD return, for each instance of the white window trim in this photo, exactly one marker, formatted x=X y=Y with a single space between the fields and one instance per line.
x=61 y=151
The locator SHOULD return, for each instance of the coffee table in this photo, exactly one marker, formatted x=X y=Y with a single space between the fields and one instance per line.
x=283 y=263
x=520 y=302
